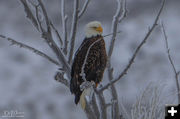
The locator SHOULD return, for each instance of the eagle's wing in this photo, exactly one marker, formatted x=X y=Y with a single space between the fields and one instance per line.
x=76 y=79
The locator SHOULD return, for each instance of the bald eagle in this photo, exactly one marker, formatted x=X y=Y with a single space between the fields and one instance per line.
x=90 y=57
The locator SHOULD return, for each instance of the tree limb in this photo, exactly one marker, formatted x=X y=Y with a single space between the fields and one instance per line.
x=45 y=15
x=29 y=14
x=102 y=104
x=48 y=37
x=137 y=50
x=89 y=112
x=64 y=27
x=120 y=14
x=59 y=77
x=172 y=63
x=58 y=52
x=83 y=9
x=22 y=45
x=95 y=106
x=57 y=33
x=73 y=29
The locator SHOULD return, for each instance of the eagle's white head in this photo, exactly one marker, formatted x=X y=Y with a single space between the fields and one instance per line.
x=93 y=28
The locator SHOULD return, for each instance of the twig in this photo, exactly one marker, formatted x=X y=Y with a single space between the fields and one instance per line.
x=115 y=25
x=45 y=15
x=124 y=11
x=57 y=33
x=125 y=110
x=112 y=34
x=172 y=63
x=136 y=51
x=83 y=9
x=64 y=27
x=31 y=49
x=60 y=78
x=38 y=20
x=29 y=14
x=73 y=29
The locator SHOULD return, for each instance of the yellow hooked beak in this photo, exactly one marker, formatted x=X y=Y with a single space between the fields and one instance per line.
x=99 y=29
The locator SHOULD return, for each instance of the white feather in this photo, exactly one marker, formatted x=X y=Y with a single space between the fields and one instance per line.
x=90 y=31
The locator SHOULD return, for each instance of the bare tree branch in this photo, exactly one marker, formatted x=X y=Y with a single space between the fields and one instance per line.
x=64 y=27
x=123 y=11
x=172 y=63
x=57 y=33
x=38 y=20
x=58 y=52
x=95 y=106
x=102 y=104
x=22 y=45
x=60 y=78
x=45 y=15
x=29 y=14
x=115 y=22
x=137 y=50
x=83 y=9
x=119 y=15
x=111 y=34
x=73 y=29
x=48 y=36
x=89 y=112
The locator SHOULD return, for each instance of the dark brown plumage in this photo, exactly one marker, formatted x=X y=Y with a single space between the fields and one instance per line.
x=94 y=67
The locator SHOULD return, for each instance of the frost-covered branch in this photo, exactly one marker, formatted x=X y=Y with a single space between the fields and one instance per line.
x=47 y=35
x=102 y=104
x=38 y=19
x=123 y=11
x=90 y=112
x=119 y=15
x=95 y=106
x=176 y=73
x=59 y=77
x=64 y=19
x=29 y=14
x=73 y=29
x=45 y=14
x=57 y=33
x=22 y=45
x=83 y=8
x=137 y=49
x=149 y=104
x=120 y=12
x=61 y=57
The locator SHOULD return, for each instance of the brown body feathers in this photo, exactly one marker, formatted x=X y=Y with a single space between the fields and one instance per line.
x=94 y=66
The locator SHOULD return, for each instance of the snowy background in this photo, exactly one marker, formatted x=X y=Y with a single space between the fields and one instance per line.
x=27 y=81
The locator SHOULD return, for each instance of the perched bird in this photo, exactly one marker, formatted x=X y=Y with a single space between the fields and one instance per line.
x=90 y=60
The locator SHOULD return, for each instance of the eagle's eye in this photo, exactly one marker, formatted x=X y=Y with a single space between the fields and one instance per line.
x=94 y=27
